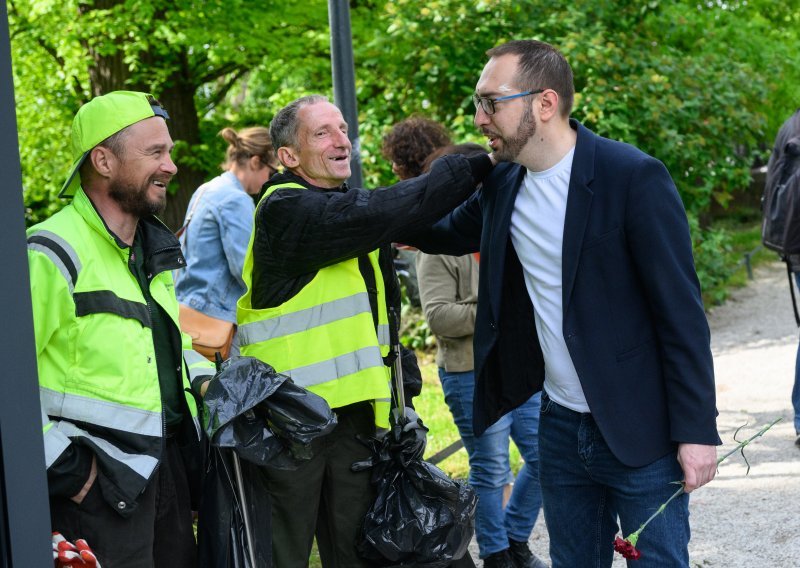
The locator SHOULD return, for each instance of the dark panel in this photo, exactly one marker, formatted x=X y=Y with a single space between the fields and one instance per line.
x=26 y=514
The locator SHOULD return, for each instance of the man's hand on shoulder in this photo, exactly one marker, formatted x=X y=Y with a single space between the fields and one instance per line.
x=699 y=464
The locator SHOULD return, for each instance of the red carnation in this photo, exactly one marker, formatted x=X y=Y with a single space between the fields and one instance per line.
x=626 y=549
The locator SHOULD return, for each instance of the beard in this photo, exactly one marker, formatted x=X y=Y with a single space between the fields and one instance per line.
x=511 y=147
x=133 y=199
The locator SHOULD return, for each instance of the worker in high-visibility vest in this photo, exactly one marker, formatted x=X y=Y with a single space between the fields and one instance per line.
x=320 y=280
x=121 y=436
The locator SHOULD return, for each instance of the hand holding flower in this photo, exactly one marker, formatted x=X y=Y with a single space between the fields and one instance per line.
x=694 y=459
x=699 y=464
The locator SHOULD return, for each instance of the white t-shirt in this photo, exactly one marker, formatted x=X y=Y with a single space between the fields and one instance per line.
x=537 y=232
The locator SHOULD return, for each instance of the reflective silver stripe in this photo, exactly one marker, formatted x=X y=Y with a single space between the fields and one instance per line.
x=197 y=427
x=141 y=464
x=304 y=320
x=54 y=441
x=383 y=400
x=101 y=412
x=197 y=365
x=337 y=367
x=55 y=258
x=384 y=338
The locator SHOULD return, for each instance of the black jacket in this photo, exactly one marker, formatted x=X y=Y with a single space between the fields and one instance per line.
x=299 y=232
x=633 y=316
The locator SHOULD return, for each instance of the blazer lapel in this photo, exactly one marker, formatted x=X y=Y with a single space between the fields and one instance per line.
x=579 y=201
x=506 y=191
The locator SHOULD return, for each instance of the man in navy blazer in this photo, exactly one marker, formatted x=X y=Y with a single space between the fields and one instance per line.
x=589 y=291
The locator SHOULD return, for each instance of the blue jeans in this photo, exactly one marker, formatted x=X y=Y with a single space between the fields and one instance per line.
x=489 y=469
x=796 y=388
x=585 y=490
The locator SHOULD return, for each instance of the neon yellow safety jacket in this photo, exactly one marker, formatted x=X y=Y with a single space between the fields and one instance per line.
x=324 y=337
x=98 y=378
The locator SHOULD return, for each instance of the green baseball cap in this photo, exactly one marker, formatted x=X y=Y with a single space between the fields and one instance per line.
x=102 y=117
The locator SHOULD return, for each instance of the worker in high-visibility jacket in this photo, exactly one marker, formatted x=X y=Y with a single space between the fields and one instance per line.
x=320 y=279
x=121 y=432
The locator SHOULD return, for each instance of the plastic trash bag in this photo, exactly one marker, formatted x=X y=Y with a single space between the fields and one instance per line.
x=264 y=418
x=420 y=516
x=221 y=539
x=296 y=417
x=262 y=414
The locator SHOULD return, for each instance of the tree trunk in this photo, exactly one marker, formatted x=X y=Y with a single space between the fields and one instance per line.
x=178 y=99
x=109 y=72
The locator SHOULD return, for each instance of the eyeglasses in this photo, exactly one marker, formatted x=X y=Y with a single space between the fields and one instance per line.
x=487 y=104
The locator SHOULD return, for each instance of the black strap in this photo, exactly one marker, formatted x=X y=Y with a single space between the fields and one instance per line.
x=791 y=290
x=368 y=274
x=59 y=251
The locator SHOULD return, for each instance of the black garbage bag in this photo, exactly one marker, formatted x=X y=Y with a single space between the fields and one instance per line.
x=259 y=415
x=262 y=414
x=420 y=516
x=221 y=539
x=296 y=417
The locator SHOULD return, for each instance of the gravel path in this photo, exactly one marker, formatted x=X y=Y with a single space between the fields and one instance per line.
x=739 y=520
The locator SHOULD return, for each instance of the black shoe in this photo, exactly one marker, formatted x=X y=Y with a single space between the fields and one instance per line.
x=797 y=441
x=521 y=555
x=498 y=560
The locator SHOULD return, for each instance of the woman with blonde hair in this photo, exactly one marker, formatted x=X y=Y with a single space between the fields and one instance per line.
x=218 y=223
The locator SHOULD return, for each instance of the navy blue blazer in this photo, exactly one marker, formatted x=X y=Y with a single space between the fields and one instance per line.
x=634 y=322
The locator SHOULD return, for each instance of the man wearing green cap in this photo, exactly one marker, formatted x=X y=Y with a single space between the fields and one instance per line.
x=122 y=439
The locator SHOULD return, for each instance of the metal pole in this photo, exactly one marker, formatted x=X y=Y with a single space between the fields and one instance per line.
x=248 y=531
x=397 y=372
x=344 y=79
x=24 y=508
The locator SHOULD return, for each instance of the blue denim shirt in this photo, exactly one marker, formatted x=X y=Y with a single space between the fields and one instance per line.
x=214 y=245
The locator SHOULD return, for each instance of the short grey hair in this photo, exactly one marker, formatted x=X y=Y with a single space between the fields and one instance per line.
x=283 y=128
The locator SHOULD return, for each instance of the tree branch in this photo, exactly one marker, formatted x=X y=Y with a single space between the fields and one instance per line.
x=221 y=71
x=27 y=25
x=220 y=95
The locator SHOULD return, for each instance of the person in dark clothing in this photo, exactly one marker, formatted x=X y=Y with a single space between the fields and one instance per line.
x=320 y=283
x=588 y=291
x=782 y=168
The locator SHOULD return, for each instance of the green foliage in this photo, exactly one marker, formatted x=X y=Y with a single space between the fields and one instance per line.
x=414 y=331
x=711 y=248
x=742 y=232
x=64 y=52
x=703 y=86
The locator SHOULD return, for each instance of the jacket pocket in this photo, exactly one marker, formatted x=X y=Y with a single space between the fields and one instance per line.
x=634 y=352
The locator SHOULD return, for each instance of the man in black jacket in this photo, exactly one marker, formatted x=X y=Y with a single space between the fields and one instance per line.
x=320 y=282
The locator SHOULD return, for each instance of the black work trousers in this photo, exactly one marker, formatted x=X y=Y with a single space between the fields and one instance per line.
x=324 y=497
x=158 y=534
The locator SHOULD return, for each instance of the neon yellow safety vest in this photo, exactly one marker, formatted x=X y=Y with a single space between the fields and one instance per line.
x=324 y=337
x=98 y=379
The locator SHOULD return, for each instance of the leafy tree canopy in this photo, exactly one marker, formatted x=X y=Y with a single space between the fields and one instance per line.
x=701 y=84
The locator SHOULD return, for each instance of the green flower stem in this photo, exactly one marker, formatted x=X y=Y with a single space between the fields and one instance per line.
x=633 y=538
x=750 y=439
